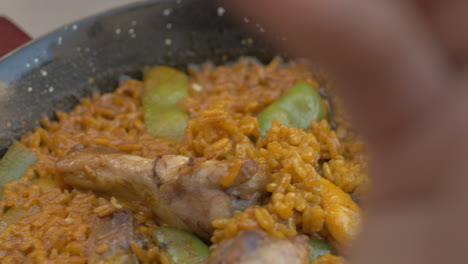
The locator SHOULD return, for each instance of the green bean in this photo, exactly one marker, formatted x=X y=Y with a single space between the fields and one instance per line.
x=13 y=215
x=319 y=248
x=164 y=87
x=15 y=162
x=168 y=123
x=181 y=246
x=297 y=107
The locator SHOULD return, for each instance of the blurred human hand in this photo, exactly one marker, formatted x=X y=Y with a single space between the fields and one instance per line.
x=400 y=67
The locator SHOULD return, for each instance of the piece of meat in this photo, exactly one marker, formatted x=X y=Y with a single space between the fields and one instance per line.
x=257 y=247
x=193 y=189
x=109 y=173
x=245 y=189
x=110 y=238
x=188 y=193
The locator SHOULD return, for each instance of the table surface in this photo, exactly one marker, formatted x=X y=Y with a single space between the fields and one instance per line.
x=37 y=17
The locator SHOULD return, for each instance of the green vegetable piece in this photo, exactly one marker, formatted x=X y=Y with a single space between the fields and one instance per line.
x=13 y=215
x=165 y=96
x=319 y=248
x=14 y=163
x=164 y=74
x=181 y=246
x=270 y=114
x=297 y=107
x=164 y=87
x=169 y=123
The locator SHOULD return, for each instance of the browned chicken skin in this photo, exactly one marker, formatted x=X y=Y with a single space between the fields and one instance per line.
x=108 y=173
x=193 y=190
x=257 y=247
x=182 y=192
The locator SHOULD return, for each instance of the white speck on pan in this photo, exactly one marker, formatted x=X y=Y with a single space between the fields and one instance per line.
x=117 y=31
x=51 y=89
x=132 y=33
x=260 y=28
x=75 y=27
x=168 y=41
x=168 y=25
x=167 y=11
x=43 y=73
x=30 y=89
x=221 y=11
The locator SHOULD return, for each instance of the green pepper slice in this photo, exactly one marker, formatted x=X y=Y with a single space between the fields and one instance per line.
x=181 y=246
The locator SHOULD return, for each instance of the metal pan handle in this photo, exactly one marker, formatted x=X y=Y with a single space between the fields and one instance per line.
x=11 y=36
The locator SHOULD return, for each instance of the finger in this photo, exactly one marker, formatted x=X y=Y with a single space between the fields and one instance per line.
x=406 y=228
x=450 y=23
x=390 y=71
